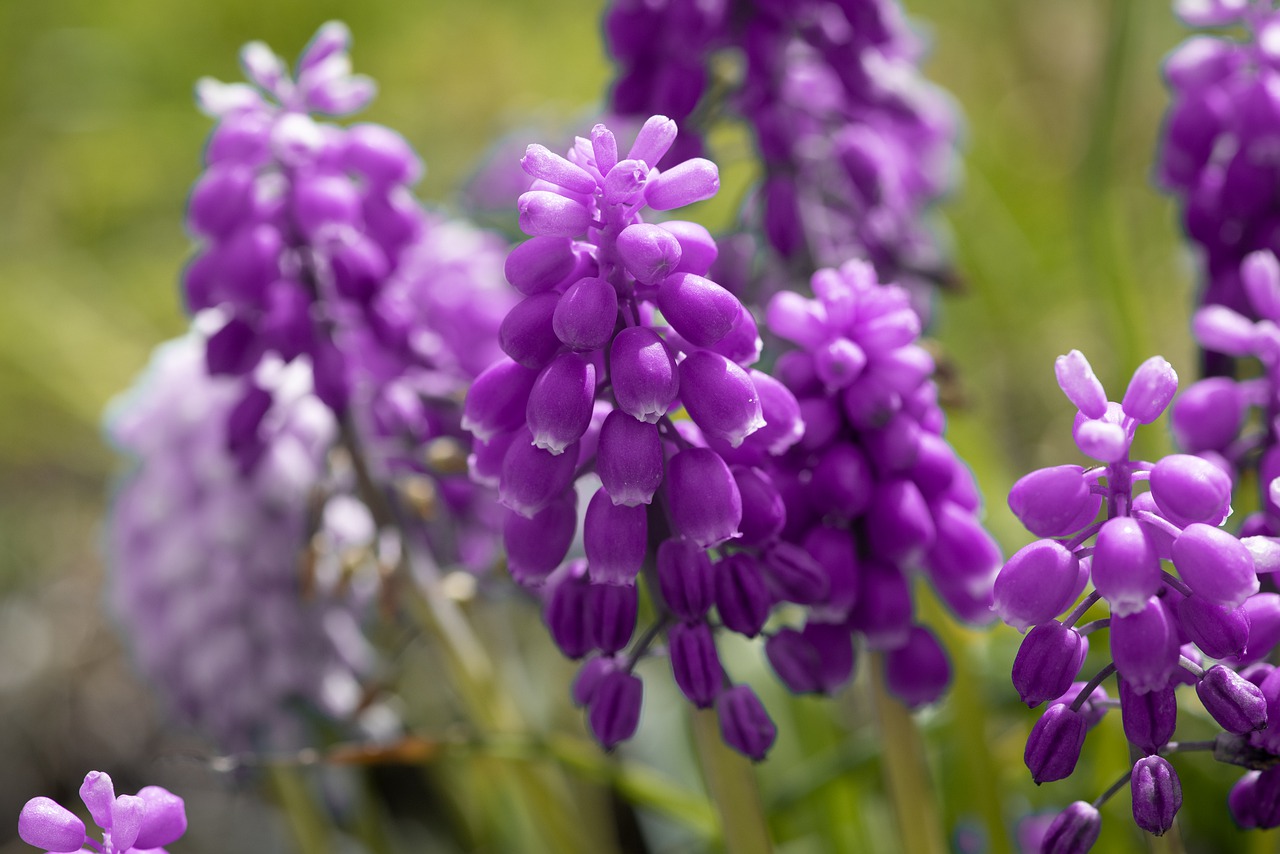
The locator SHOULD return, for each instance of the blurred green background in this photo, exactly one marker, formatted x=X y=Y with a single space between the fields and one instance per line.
x=1057 y=231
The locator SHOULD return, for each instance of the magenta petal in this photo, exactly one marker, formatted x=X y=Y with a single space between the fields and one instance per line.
x=720 y=397
x=697 y=308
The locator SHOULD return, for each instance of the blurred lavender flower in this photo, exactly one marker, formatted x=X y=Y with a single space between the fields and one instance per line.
x=855 y=143
x=1216 y=154
x=626 y=362
x=206 y=559
x=140 y=823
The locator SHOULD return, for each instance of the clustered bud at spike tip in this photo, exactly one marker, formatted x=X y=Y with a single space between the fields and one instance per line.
x=1180 y=588
x=855 y=144
x=625 y=361
x=141 y=823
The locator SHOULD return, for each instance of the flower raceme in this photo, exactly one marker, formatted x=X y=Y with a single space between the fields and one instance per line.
x=625 y=362
x=141 y=823
x=1099 y=531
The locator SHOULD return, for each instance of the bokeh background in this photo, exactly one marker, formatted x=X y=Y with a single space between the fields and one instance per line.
x=1058 y=233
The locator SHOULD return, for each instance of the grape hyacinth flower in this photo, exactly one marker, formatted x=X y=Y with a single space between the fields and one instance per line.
x=204 y=557
x=872 y=493
x=142 y=824
x=854 y=142
x=1214 y=154
x=628 y=379
x=1099 y=531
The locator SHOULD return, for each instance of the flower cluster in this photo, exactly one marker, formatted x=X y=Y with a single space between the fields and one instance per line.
x=627 y=363
x=302 y=221
x=1217 y=147
x=141 y=823
x=854 y=142
x=871 y=491
x=206 y=577
x=1161 y=626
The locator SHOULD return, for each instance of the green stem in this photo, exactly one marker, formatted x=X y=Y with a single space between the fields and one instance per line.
x=906 y=771
x=309 y=825
x=731 y=783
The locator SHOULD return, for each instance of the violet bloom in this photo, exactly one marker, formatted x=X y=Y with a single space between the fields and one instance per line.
x=872 y=492
x=203 y=556
x=1214 y=154
x=627 y=363
x=141 y=823
x=855 y=143
x=1178 y=587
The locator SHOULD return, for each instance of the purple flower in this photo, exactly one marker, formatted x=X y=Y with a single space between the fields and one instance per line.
x=141 y=823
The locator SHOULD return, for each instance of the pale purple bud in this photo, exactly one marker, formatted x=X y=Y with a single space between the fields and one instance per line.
x=1208 y=415
x=697 y=308
x=165 y=818
x=884 y=605
x=742 y=597
x=561 y=402
x=1036 y=584
x=799 y=320
x=611 y=615
x=839 y=362
x=527 y=334
x=536 y=545
x=586 y=314
x=221 y=200
x=763 y=511
x=1053 y=747
x=743 y=342
x=47 y=824
x=918 y=672
x=698 y=250
x=1150 y=390
x=126 y=820
x=539 y=264
x=614 y=712
x=1073 y=831
x=382 y=156
x=694 y=662
x=604 y=148
x=1190 y=489
x=1234 y=702
x=615 y=537
x=1218 y=328
x=1157 y=794
x=1265 y=552
x=625 y=181
x=98 y=795
x=532 y=477
x=1260 y=274
x=547 y=214
x=1080 y=385
x=1215 y=565
x=1126 y=567
x=1210 y=13
x=1104 y=440
x=1047 y=662
x=541 y=162
x=1149 y=719
x=686 y=578
x=1051 y=501
x=1263 y=610
x=649 y=252
x=1218 y=631
x=565 y=609
x=792 y=574
x=694 y=180
x=323 y=201
x=643 y=372
x=1144 y=646
x=744 y=723
x=655 y=138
